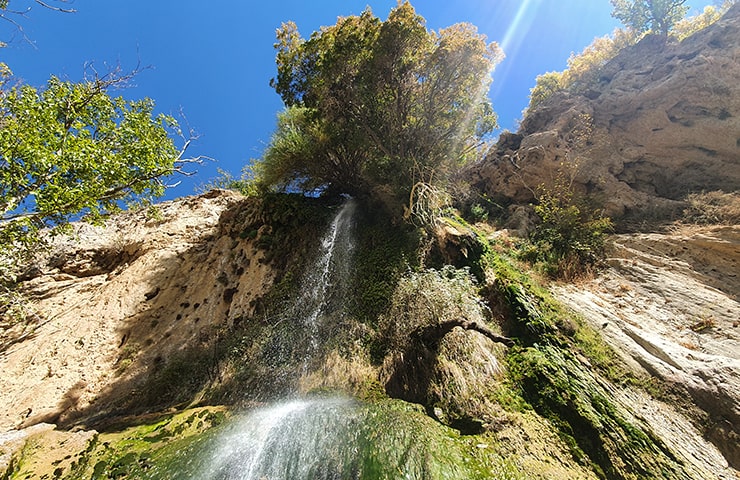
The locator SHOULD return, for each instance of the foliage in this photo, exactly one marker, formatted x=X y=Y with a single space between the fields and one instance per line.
x=72 y=149
x=429 y=298
x=584 y=69
x=654 y=16
x=711 y=13
x=374 y=107
x=478 y=213
x=384 y=252
x=570 y=238
x=545 y=86
x=248 y=183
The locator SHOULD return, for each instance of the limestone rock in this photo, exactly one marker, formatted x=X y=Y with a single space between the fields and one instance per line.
x=120 y=300
x=670 y=305
x=663 y=122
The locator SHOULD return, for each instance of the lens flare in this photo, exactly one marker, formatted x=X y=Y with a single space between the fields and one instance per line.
x=512 y=41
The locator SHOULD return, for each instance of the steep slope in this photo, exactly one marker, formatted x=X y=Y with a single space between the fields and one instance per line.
x=138 y=315
x=670 y=304
x=120 y=302
x=153 y=313
x=663 y=121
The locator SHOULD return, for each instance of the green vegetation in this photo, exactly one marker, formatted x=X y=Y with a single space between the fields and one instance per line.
x=570 y=238
x=655 y=16
x=71 y=149
x=584 y=69
x=385 y=111
x=374 y=108
x=550 y=369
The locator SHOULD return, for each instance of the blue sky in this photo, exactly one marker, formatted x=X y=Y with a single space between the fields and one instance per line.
x=214 y=60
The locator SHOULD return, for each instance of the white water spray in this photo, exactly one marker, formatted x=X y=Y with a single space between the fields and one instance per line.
x=324 y=286
x=297 y=440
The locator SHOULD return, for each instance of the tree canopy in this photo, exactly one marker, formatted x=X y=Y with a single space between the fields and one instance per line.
x=655 y=16
x=70 y=148
x=377 y=105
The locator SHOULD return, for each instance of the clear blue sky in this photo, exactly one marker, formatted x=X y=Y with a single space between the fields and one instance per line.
x=213 y=60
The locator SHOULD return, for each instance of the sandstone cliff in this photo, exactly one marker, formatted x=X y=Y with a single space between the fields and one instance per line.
x=119 y=302
x=662 y=122
x=123 y=303
x=151 y=313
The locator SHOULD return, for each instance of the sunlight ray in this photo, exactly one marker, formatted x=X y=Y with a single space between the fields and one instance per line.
x=512 y=40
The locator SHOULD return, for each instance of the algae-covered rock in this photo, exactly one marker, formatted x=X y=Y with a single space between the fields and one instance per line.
x=126 y=450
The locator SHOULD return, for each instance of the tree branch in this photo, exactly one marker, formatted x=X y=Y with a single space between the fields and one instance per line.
x=432 y=335
x=56 y=9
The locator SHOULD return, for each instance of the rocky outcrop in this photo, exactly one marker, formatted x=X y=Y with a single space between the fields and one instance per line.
x=670 y=305
x=121 y=301
x=663 y=121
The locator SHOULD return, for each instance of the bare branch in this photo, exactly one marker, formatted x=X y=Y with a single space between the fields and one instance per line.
x=432 y=335
x=24 y=14
x=56 y=9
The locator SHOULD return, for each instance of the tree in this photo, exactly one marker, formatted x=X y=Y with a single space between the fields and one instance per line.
x=710 y=14
x=655 y=16
x=72 y=149
x=375 y=106
x=11 y=16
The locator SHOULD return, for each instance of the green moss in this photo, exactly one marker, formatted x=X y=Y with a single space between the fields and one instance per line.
x=133 y=451
x=383 y=253
x=573 y=398
x=379 y=440
x=560 y=368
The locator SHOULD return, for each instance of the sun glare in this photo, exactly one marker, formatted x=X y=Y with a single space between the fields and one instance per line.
x=512 y=40
x=518 y=27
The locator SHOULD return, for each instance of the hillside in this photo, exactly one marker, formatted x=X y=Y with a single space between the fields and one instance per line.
x=223 y=336
x=661 y=122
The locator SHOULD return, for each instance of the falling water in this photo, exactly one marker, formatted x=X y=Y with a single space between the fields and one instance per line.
x=323 y=439
x=319 y=438
x=325 y=283
x=297 y=440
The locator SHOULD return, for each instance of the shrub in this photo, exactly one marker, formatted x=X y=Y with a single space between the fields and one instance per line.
x=570 y=238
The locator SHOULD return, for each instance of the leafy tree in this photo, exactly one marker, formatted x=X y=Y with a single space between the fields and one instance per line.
x=546 y=85
x=71 y=149
x=710 y=14
x=584 y=68
x=655 y=16
x=374 y=107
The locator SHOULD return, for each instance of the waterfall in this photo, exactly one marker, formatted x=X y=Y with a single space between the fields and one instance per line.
x=296 y=440
x=302 y=439
x=325 y=283
x=319 y=438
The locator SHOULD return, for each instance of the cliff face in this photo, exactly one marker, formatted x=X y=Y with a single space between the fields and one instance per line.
x=152 y=312
x=670 y=304
x=663 y=121
x=119 y=302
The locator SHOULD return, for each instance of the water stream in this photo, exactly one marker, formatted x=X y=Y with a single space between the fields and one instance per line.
x=322 y=438
x=300 y=438
x=325 y=284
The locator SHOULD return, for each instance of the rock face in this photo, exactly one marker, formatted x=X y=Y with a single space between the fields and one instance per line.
x=664 y=121
x=670 y=305
x=120 y=301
